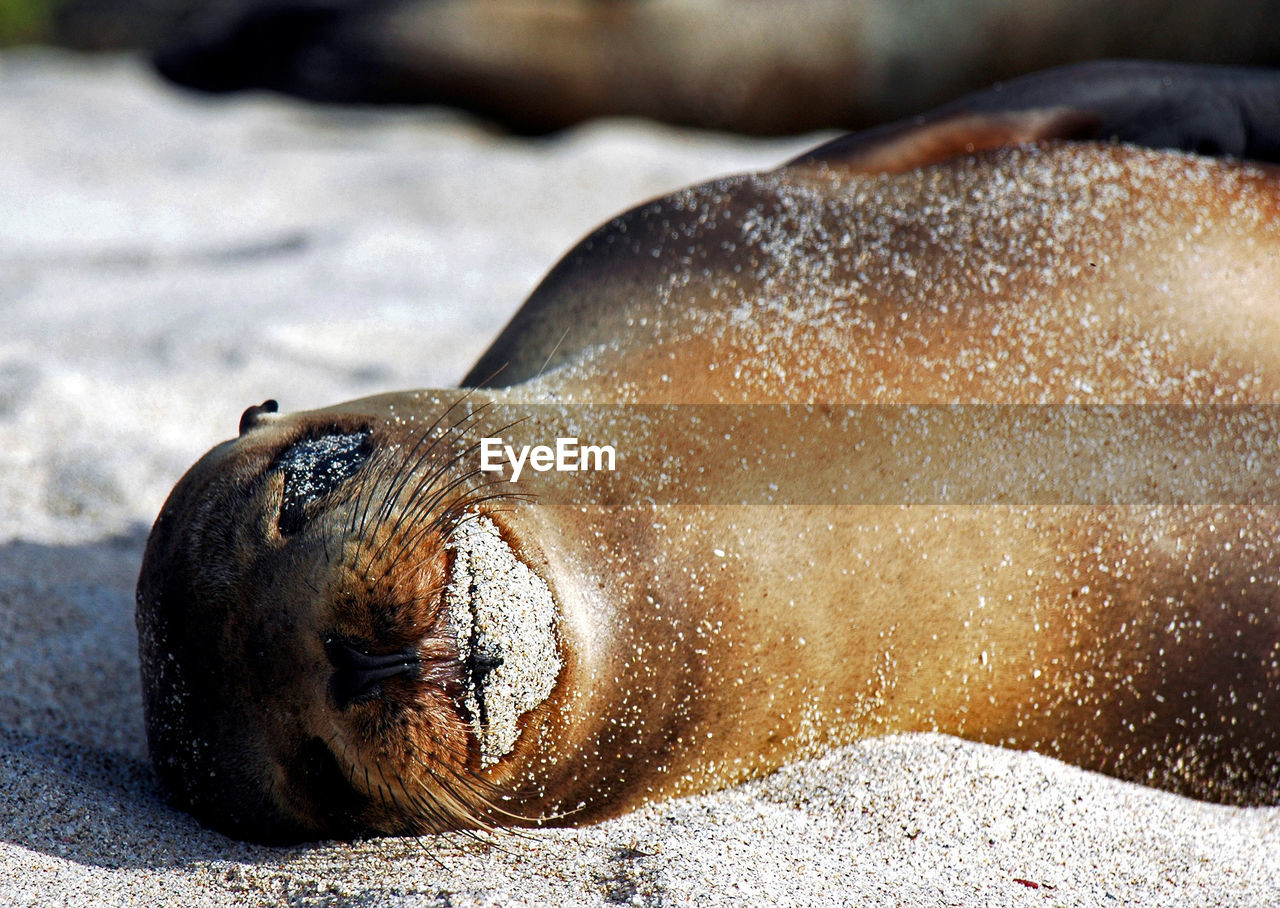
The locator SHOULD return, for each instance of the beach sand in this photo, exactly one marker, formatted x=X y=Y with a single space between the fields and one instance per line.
x=167 y=260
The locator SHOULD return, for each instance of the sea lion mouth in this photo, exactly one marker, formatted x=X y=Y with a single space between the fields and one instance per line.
x=359 y=675
x=505 y=621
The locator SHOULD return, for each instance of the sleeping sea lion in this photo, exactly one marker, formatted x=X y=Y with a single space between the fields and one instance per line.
x=965 y=425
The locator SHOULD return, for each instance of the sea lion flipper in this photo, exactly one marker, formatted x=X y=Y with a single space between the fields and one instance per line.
x=1211 y=110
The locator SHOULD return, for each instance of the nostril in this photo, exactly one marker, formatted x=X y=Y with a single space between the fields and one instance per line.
x=358 y=675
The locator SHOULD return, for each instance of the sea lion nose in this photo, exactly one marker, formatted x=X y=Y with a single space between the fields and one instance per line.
x=358 y=675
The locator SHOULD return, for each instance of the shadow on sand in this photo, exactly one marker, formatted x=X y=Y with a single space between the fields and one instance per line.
x=73 y=767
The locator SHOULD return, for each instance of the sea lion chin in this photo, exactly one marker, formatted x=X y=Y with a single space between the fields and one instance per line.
x=347 y=625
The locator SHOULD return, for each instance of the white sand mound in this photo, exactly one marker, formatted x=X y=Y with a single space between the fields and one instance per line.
x=504 y=618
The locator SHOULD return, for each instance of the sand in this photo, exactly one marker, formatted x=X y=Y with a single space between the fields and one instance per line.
x=503 y=617
x=166 y=261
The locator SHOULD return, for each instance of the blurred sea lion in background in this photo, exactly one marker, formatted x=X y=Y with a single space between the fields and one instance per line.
x=751 y=66
x=344 y=629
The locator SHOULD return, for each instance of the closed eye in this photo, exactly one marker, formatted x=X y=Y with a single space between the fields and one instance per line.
x=358 y=675
x=313 y=468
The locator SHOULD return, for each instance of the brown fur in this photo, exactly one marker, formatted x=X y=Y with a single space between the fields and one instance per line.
x=705 y=644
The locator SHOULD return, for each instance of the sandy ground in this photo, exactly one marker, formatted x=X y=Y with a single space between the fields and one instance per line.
x=166 y=261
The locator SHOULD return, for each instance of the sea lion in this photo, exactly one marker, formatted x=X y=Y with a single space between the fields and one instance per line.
x=351 y=621
x=766 y=68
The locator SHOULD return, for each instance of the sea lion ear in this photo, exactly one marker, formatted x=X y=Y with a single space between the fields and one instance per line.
x=1211 y=110
x=251 y=417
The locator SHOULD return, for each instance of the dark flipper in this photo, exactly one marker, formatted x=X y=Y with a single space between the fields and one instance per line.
x=1210 y=110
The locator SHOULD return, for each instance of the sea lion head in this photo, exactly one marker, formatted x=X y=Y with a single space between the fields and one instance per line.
x=305 y=674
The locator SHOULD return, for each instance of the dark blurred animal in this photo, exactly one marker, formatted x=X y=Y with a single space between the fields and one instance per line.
x=753 y=66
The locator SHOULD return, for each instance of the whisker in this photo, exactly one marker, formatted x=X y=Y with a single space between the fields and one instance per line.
x=553 y=352
x=393 y=494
